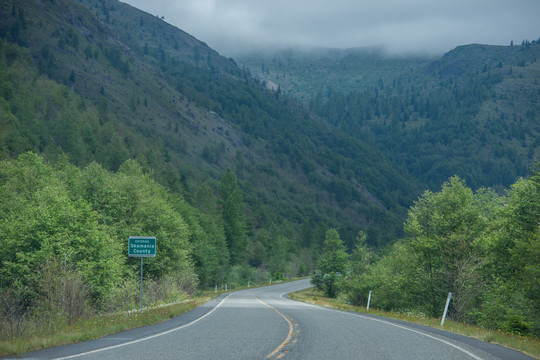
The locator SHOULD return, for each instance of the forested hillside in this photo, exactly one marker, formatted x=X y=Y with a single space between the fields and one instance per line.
x=113 y=124
x=140 y=88
x=474 y=112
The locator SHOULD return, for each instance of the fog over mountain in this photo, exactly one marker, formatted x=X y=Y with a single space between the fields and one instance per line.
x=425 y=26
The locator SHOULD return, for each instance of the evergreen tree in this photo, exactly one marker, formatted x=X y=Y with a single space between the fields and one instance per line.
x=234 y=221
x=356 y=286
x=332 y=265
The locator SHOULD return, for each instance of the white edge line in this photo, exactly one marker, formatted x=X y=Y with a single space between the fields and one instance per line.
x=422 y=333
x=148 y=337
x=398 y=326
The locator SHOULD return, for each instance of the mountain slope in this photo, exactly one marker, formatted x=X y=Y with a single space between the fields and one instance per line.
x=474 y=112
x=303 y=73
x=143 y=89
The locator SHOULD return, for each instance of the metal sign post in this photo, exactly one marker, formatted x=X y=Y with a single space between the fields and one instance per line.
x=139 y=246
x=140 y=301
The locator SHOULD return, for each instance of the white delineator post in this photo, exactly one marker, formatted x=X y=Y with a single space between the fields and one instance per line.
x=368 y=300
x=446 y=308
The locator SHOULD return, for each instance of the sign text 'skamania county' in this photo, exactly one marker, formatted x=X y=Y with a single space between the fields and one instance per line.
x=142 y=246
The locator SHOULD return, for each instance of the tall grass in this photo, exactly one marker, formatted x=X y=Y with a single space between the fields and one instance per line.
x=38 y=337
x=62 y=312
x=58 y=330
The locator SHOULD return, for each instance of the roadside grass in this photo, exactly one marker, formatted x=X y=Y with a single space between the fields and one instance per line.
x=527 y=345
x=95 y=327
x=37 y=337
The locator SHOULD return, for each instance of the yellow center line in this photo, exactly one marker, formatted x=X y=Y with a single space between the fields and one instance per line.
x=291 y=332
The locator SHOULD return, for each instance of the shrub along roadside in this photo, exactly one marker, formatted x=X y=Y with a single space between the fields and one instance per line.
x=36 y=337
x=527 y=345
x=482 y=247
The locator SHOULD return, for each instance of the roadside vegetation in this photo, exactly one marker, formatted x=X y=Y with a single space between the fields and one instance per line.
x=481 y=247
x=37 y=336
x=64 y=245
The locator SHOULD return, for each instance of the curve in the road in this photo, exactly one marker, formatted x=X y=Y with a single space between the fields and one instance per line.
x=149 y=337
x=289 y=335
x=263 y=323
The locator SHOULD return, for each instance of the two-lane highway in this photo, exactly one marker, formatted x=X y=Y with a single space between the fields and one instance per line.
x=262 y=323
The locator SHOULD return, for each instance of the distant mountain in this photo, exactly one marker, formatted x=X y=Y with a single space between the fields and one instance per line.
x=475 y=112
x=101 y=81
x=304 y=73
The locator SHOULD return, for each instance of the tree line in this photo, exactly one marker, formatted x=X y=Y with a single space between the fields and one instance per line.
x=65 y=231
x=481 y=247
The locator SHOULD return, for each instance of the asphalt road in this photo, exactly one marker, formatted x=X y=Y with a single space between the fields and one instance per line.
x=262 y=323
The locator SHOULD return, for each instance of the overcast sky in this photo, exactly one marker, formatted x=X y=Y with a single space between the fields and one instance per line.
x=432 y=26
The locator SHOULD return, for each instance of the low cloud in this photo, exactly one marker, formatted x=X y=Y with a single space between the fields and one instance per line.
x=429 y=26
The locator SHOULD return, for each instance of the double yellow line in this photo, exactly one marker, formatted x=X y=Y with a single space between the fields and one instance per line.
x=289 y=336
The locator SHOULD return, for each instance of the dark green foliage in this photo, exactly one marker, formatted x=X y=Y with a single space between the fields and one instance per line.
x=213 y=152
x=256 y=254
x=514 y=262
x=132 y=204
x=116 y=59
x=481 y=247
x=59 y=219
x=360 y=261
x=234 y=222
x=332 y=265
x=444 y=231
x=210 y=252
x=43 y=219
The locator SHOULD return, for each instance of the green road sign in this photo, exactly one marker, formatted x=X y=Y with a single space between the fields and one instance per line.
x=140 y=246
